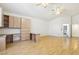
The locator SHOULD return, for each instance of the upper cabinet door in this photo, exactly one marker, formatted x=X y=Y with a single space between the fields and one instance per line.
x=25 y=25
x=6 y=21
x=11 y=21
x=17 y=22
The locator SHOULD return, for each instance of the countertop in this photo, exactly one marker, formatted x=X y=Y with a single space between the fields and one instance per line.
x=10 y=30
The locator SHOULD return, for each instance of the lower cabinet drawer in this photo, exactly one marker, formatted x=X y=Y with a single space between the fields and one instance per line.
x=16 y=37
x=9 y=39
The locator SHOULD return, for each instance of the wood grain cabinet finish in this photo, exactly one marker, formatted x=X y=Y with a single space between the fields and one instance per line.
x=14 y=22
x=17 y=22
x=11 y=21
x=25 y=29
x=9 y=39
x=6 y=21
x=2 y=43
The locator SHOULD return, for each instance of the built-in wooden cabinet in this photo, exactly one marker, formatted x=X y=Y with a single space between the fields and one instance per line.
x=9 y=38
x=17 y=23
x=2 y=42
x=11 y=21
x=25 y=29
x=6 y=21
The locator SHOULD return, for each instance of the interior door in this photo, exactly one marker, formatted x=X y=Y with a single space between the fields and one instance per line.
x=66 y=30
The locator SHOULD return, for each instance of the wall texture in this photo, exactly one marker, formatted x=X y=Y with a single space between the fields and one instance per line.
x=55 y=25
x=1 y=17
x=75 y=26
x=39 y=26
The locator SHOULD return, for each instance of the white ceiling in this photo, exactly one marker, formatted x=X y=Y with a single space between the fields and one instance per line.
x=32 y=10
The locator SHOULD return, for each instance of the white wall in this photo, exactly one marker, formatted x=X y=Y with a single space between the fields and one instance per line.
x=1 y=22
x=39 y=26
x=55 y=25
x=75 y=26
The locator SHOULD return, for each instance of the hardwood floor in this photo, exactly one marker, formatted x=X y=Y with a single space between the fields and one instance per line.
x=44 y=46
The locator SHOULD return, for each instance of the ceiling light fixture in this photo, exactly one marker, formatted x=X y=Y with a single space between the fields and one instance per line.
x=57 y=9
x=42 y=4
